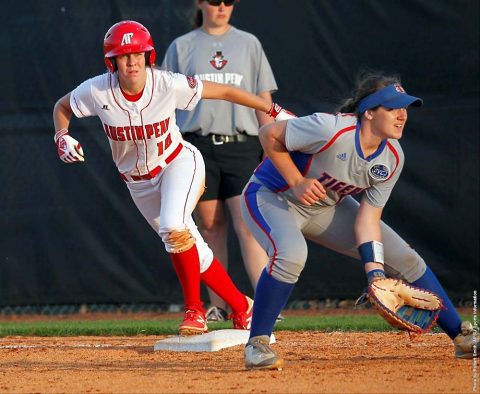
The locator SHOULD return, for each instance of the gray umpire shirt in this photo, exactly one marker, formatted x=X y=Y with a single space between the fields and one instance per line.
x=234 y=58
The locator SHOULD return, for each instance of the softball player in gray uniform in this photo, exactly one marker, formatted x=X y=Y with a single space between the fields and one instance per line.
x=226 y=134
x=164 y=174
x=304 y=190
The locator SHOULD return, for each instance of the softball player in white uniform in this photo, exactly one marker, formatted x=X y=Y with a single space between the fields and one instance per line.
x=304 y=190
x=165 y=174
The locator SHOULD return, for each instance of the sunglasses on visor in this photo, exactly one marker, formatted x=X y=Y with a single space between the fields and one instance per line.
x=216 y=3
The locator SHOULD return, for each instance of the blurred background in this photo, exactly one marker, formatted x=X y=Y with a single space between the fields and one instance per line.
x=70 y=234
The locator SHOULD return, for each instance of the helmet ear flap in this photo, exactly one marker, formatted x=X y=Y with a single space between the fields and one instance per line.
x=150 y=57
x=110 y=63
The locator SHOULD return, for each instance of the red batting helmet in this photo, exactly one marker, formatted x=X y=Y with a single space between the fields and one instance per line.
x=127 y=37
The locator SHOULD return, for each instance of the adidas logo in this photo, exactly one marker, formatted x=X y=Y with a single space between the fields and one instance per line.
x=105 y=107
x=342 y=156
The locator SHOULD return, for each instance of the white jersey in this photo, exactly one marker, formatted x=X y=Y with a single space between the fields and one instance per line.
x=143 y=135
x=327 y=147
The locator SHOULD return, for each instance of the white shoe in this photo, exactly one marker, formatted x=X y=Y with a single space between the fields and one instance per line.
x=259 y=355
x=466 y=343
x=216 y=313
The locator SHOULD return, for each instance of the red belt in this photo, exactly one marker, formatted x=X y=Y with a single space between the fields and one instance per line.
x=152 y=174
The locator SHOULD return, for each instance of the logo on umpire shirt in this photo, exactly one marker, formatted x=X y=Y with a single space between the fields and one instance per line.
x=379 y=172
x=218 y=61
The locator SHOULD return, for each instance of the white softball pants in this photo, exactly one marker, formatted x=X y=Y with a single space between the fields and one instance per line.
x=168 y=200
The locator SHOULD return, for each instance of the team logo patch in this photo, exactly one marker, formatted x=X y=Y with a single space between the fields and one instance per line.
x=218 y=61
x=192 y=82
x=379 y=171
x=399 y=88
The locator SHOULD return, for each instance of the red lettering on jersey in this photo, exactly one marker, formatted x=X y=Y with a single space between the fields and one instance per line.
x=160 y=148
x=168 y=141
x=124 y=133
x=164 y=125
x=148 y=131
x=113 y=133
x=105 y=127
x=127 y=132
x=120 y=135
x=138 y=133
x=156 y=129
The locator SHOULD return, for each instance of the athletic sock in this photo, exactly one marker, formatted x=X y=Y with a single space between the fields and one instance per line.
x=271 y=295
x=448 y=319
x=217 y=278
x=187 y=267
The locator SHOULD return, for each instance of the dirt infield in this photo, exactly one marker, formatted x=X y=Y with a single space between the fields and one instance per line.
x=315 y=363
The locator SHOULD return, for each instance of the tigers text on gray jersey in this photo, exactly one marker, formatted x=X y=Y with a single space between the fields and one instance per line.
x=236 y=58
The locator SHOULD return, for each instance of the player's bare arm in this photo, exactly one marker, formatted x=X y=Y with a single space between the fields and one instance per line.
x=272 y=137
x=262 y=117
x=367 y=229
x=212 y=90
x=62 y=113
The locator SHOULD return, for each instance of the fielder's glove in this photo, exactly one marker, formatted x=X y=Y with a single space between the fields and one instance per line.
x=404 y=306
x=278 y=113
x=69 y=149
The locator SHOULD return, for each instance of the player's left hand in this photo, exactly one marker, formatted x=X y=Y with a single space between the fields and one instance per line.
x=404 y=306
x=68 y=148
x=278 y=113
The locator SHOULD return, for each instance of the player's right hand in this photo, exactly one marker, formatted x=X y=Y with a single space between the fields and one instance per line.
x=278 y=113
x=308 y=191
x=68 y=148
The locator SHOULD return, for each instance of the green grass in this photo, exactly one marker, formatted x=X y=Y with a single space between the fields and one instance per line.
x=167 y=326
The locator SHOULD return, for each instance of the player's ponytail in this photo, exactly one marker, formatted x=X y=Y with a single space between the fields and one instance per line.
x=368 y=82
x=348 y=106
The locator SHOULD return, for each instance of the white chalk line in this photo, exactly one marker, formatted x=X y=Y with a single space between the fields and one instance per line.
x=78 y=346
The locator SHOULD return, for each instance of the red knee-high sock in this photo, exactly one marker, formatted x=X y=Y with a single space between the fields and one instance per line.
x=187 y=267
x=220 y=282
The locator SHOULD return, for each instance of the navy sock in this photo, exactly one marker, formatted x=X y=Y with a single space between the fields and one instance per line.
x=448 y=319
x=271 y=295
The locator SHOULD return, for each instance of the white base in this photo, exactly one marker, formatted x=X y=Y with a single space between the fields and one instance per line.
x=209 y=342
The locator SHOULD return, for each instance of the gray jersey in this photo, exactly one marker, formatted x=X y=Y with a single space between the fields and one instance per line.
x=236 y=58
x=327 y=147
